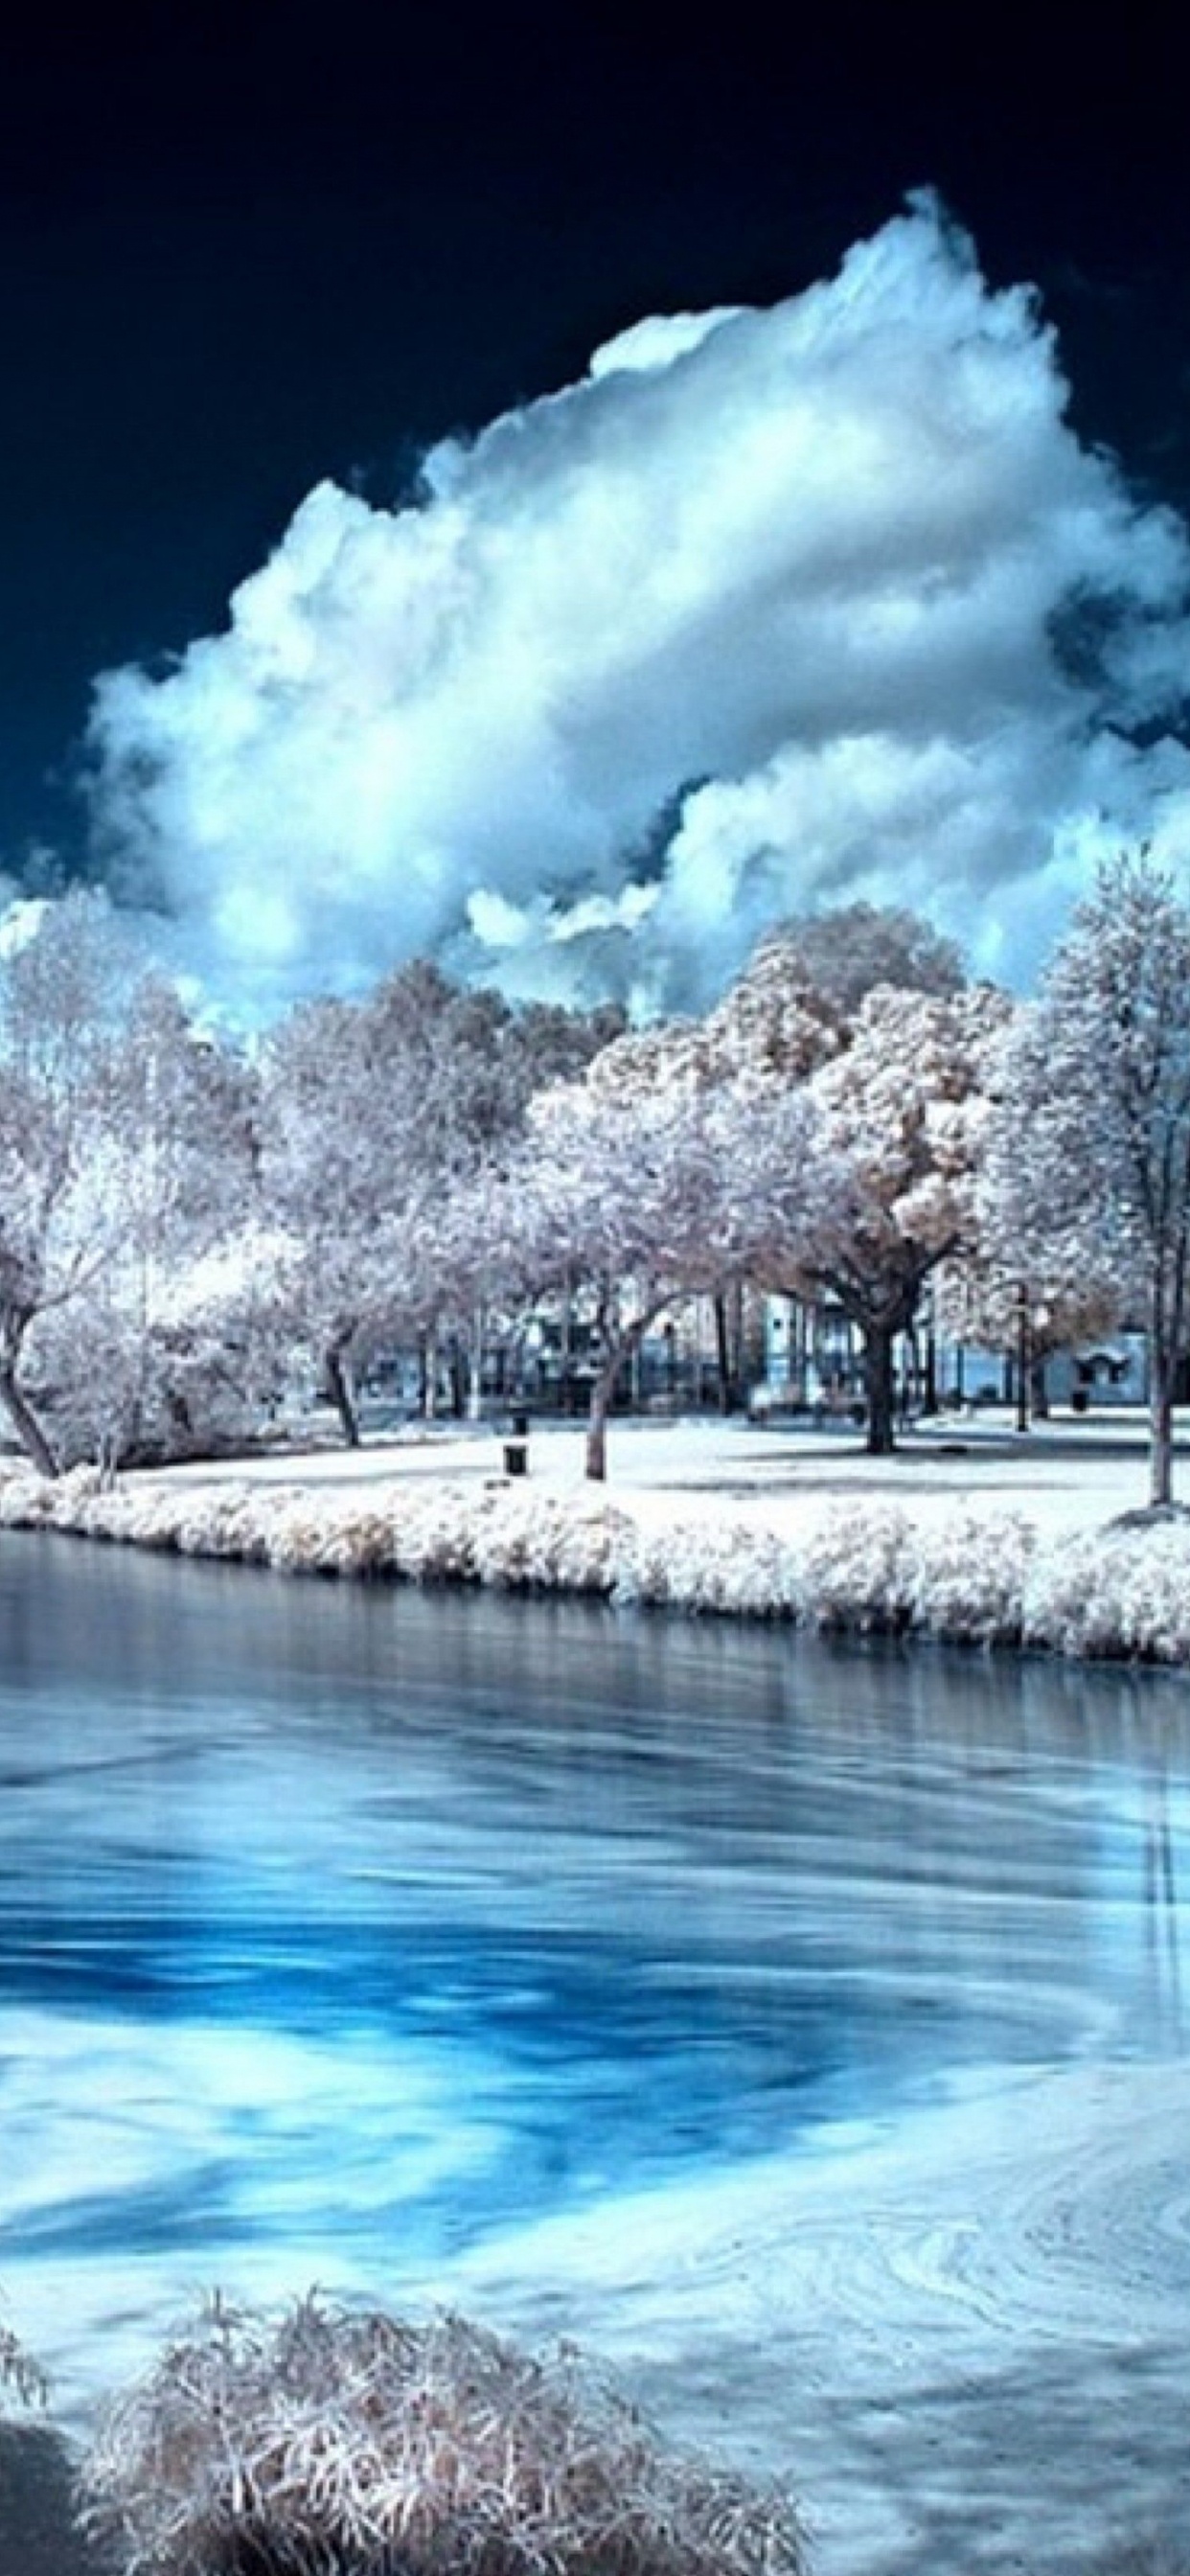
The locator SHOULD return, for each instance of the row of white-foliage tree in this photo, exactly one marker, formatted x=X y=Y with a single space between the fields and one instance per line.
x=187 y=1223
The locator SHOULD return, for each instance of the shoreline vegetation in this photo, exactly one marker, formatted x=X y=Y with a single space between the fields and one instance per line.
x=991 y=1546
x=331 y=2438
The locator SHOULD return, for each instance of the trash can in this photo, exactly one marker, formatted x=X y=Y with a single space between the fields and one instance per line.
x=516 y=1457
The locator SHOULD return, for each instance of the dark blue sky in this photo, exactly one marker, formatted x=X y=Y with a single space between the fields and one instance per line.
x=243 y=249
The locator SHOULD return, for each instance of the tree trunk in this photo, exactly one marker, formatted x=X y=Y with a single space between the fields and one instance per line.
x=1039 y=1394
x=429 y=1384
x=602 y=1395
x=912 y=1377
x=727 y=1394
x=342 y=1393
x=1165 y=1317
x=1161 y=1437
x=25 y=1423
x=878 y=1386
x=475 y=1368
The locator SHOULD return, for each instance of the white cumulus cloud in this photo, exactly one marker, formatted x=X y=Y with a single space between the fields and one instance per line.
x=774 y=609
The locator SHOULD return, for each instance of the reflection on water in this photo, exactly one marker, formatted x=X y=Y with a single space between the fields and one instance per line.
x=341 y=1928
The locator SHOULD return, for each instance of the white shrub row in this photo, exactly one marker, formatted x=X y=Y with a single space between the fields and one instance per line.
x=866 y=1569
x=438 y=1534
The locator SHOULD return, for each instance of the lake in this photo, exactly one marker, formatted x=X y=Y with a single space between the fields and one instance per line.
x=515 y=1953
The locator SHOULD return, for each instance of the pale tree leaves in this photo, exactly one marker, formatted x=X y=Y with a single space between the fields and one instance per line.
x=1092 y=1147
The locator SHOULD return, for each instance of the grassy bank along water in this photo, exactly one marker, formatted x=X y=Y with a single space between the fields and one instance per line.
x=863 y=1566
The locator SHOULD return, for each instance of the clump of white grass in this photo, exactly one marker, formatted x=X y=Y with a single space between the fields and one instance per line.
x=302 y=1533
x=856 y=1569
x=735 y=1571
x=1117 y=1592
x=221 y=1521
x=550 y=1543
x=434 y=1535
x=336 y=2443
x=24 y=1499
x=19 y=2371
x=965 y=1578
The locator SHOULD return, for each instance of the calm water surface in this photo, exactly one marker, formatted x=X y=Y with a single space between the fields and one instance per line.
x=341 y=1929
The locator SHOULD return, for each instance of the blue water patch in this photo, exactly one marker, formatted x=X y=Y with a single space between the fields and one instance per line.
x=354 y=1918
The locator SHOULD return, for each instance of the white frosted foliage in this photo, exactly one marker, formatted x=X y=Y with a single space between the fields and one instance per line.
x=1123 y=1591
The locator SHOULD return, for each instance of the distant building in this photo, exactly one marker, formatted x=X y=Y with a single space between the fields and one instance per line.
x=812 y=1363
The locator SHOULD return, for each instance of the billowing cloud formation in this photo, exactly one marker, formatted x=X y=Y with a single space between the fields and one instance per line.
x=774 y=609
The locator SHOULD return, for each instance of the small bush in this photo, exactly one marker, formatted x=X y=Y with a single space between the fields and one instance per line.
x=968 y=1576
x=856 y=1569
x=734 y=1571
x=1117 y=1592
x=335 y=2441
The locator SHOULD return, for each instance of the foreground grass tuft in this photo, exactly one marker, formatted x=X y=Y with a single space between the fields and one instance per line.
x=338 y=2443
x=19 y=2371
